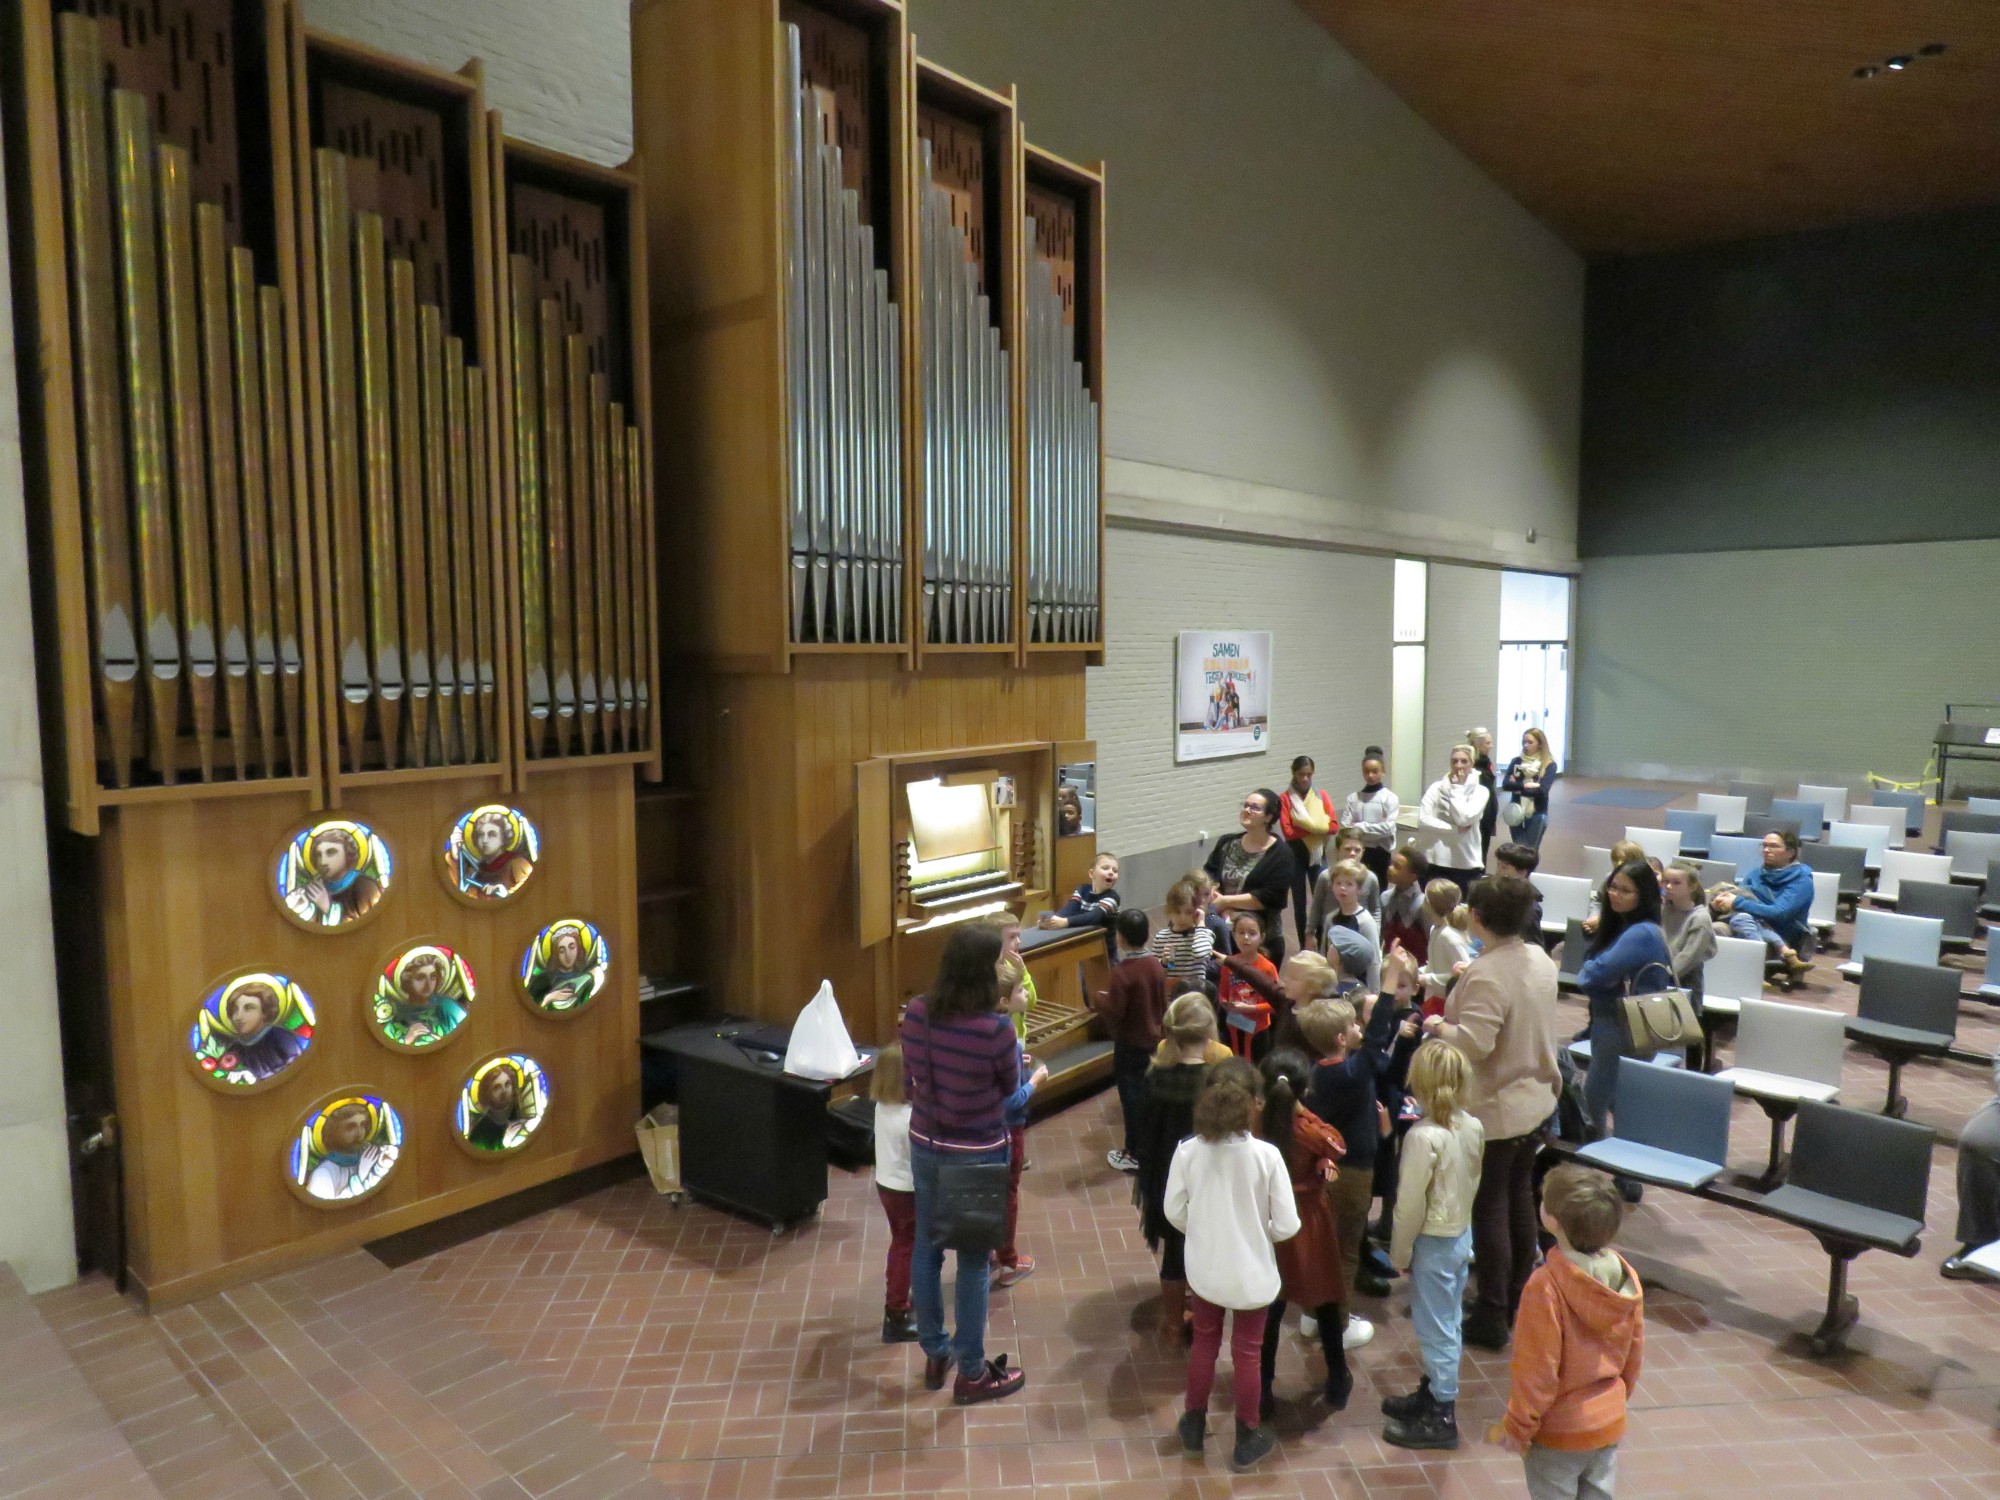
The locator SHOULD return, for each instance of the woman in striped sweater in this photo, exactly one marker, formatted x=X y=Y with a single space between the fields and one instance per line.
x=961 y=1061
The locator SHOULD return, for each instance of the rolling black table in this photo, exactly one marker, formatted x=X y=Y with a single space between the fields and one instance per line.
x=753 y=1137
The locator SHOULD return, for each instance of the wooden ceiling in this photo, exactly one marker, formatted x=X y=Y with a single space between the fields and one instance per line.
x=1641 y=125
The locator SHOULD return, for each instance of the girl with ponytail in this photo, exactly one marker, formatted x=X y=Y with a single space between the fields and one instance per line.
x=1308 y=1262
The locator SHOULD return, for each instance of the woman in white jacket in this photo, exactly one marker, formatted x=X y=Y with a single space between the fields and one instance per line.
x=1450 y=813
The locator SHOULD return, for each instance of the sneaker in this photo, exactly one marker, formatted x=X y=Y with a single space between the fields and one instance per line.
x=1308 y=1326
x=1253 y=1444
x=997 y=1381
x=1436 y=1426
x=935 y=1366
x=1368 y=1284
x=1003 y=1277
x=1192 y=1430
x=899 y=1327
x=1375 y=1260
x=1122 y=1161
x=1358 y=1332
x=1958 y=1268
x=1405 y=1407
x=1484 y=1330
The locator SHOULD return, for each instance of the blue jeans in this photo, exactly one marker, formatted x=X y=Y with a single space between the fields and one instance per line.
x=1531 y=830
x=1743 y=925
x=1607 y=1041
x=927 y=1270
x=1437 y=1287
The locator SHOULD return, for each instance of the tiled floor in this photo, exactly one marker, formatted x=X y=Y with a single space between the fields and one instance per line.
x=574 y=1352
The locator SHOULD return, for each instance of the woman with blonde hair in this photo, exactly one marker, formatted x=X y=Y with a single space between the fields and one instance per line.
x=1188 y=1047
x=1449 y=817
x=1529 y=777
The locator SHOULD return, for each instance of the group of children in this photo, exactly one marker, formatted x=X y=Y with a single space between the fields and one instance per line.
x=1256 y=1163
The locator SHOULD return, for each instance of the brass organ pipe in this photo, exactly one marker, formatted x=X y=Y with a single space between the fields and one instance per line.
x=642 y=586
x=226 y=503
x=378 y=453
x=555 y=481
x=438 y=587
x=94 y=308
x=798 y=348
x=602 y=584
x=528 y=483
x=407 y=403
x=464 y=554
x=284 y=578
x=621 y=572
x=191 y=520
x=582 y=532
x=256 y=508
x=343 y=456
x=487 y=595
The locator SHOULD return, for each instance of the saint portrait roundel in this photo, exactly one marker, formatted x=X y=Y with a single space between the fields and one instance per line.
x=421 y=997
x=490 y=853
x=345 y=1149
x=564 y=967
x=332 y=874
x=250 y=1032
x=502 y=1105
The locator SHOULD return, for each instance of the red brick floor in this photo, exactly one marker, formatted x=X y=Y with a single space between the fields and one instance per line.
x=733 y=1364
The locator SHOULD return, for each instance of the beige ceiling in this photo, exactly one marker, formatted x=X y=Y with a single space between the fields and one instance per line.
x=1638 y=125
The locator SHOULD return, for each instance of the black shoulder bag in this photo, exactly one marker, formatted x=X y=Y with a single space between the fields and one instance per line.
x=969 y=1212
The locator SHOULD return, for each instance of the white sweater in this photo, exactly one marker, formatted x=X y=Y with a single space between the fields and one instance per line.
x=892 y=1148
x=1233 y=1200
x=1447 y=947
x=1451 y=813
x=1372 y=815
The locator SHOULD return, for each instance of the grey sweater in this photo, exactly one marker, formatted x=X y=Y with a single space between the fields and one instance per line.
x=1690 y=942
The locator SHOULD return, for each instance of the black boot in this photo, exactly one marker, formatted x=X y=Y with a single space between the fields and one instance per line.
x=1192 y=1430
x=1436 y=1426
x=1339 y=1383
x=1406 y=1408
x=899 y=1327
x=1253 y=1444
x=1484 y=1330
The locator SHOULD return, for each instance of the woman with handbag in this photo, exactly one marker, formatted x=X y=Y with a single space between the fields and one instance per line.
x=961 y=1062
x=1626 y=954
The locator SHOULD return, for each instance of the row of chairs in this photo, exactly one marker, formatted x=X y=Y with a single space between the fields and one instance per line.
x=1856 y=1182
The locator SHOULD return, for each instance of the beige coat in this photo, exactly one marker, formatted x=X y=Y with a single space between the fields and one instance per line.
x=1502 y=1016
x=1438 y=1181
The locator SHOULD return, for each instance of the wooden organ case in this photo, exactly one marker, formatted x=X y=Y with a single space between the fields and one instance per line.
x=306 y=608
x=806 y=169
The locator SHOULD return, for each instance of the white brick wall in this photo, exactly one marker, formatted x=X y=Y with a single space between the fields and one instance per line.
x=1329 y=617
x=1462 y=662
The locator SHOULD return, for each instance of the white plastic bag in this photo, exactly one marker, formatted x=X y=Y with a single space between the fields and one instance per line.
x=820 y=1046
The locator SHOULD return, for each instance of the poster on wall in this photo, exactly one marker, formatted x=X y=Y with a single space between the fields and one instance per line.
x=1222 y=694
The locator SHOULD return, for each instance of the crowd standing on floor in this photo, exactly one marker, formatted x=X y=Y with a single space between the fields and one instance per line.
x=1395 y=1039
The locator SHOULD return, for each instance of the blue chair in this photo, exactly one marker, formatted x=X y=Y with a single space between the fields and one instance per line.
x=1668 y=1126
x=1810 y=816
x=1746 y=854
x=1958 y=820
x=1859 y=1182
x=1695 y=829
x=1912 y=804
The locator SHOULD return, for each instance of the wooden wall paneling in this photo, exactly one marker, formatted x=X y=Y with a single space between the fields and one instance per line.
x=711 y=138
x=414 y=140
x=1079 y=191
x=186 y=901
x=972 y=132
x=646 y=549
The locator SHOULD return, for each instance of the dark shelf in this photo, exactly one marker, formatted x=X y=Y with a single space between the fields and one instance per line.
x=647 y=796
x=666 y=894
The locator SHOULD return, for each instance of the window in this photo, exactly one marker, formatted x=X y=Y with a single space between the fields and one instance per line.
x=1534 y=662
x=1408 y=611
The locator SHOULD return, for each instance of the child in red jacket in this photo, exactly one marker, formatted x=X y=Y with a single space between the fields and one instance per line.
x=1578 y=1339
x=1246 y=1015
x=1132 y=1006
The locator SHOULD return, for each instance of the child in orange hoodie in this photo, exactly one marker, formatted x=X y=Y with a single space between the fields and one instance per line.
x=1577 y=1344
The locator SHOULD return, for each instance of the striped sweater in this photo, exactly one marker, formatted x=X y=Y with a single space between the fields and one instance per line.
x=958 y=1074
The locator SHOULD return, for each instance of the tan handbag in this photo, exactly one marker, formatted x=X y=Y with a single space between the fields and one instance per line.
x=1659 y=1020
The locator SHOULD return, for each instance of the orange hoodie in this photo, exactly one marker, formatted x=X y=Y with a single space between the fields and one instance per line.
x=1577 y=1343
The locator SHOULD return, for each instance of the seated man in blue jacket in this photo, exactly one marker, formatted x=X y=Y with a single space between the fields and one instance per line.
x=1771 y=905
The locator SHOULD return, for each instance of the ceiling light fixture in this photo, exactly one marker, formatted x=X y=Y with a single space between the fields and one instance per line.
x=1931 y=49
x=1868 y=71
x=1897 y=64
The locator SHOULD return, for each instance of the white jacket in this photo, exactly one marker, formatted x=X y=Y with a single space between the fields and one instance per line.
x=1451 y=813
x=1233 y=1200
x=1373 y=817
